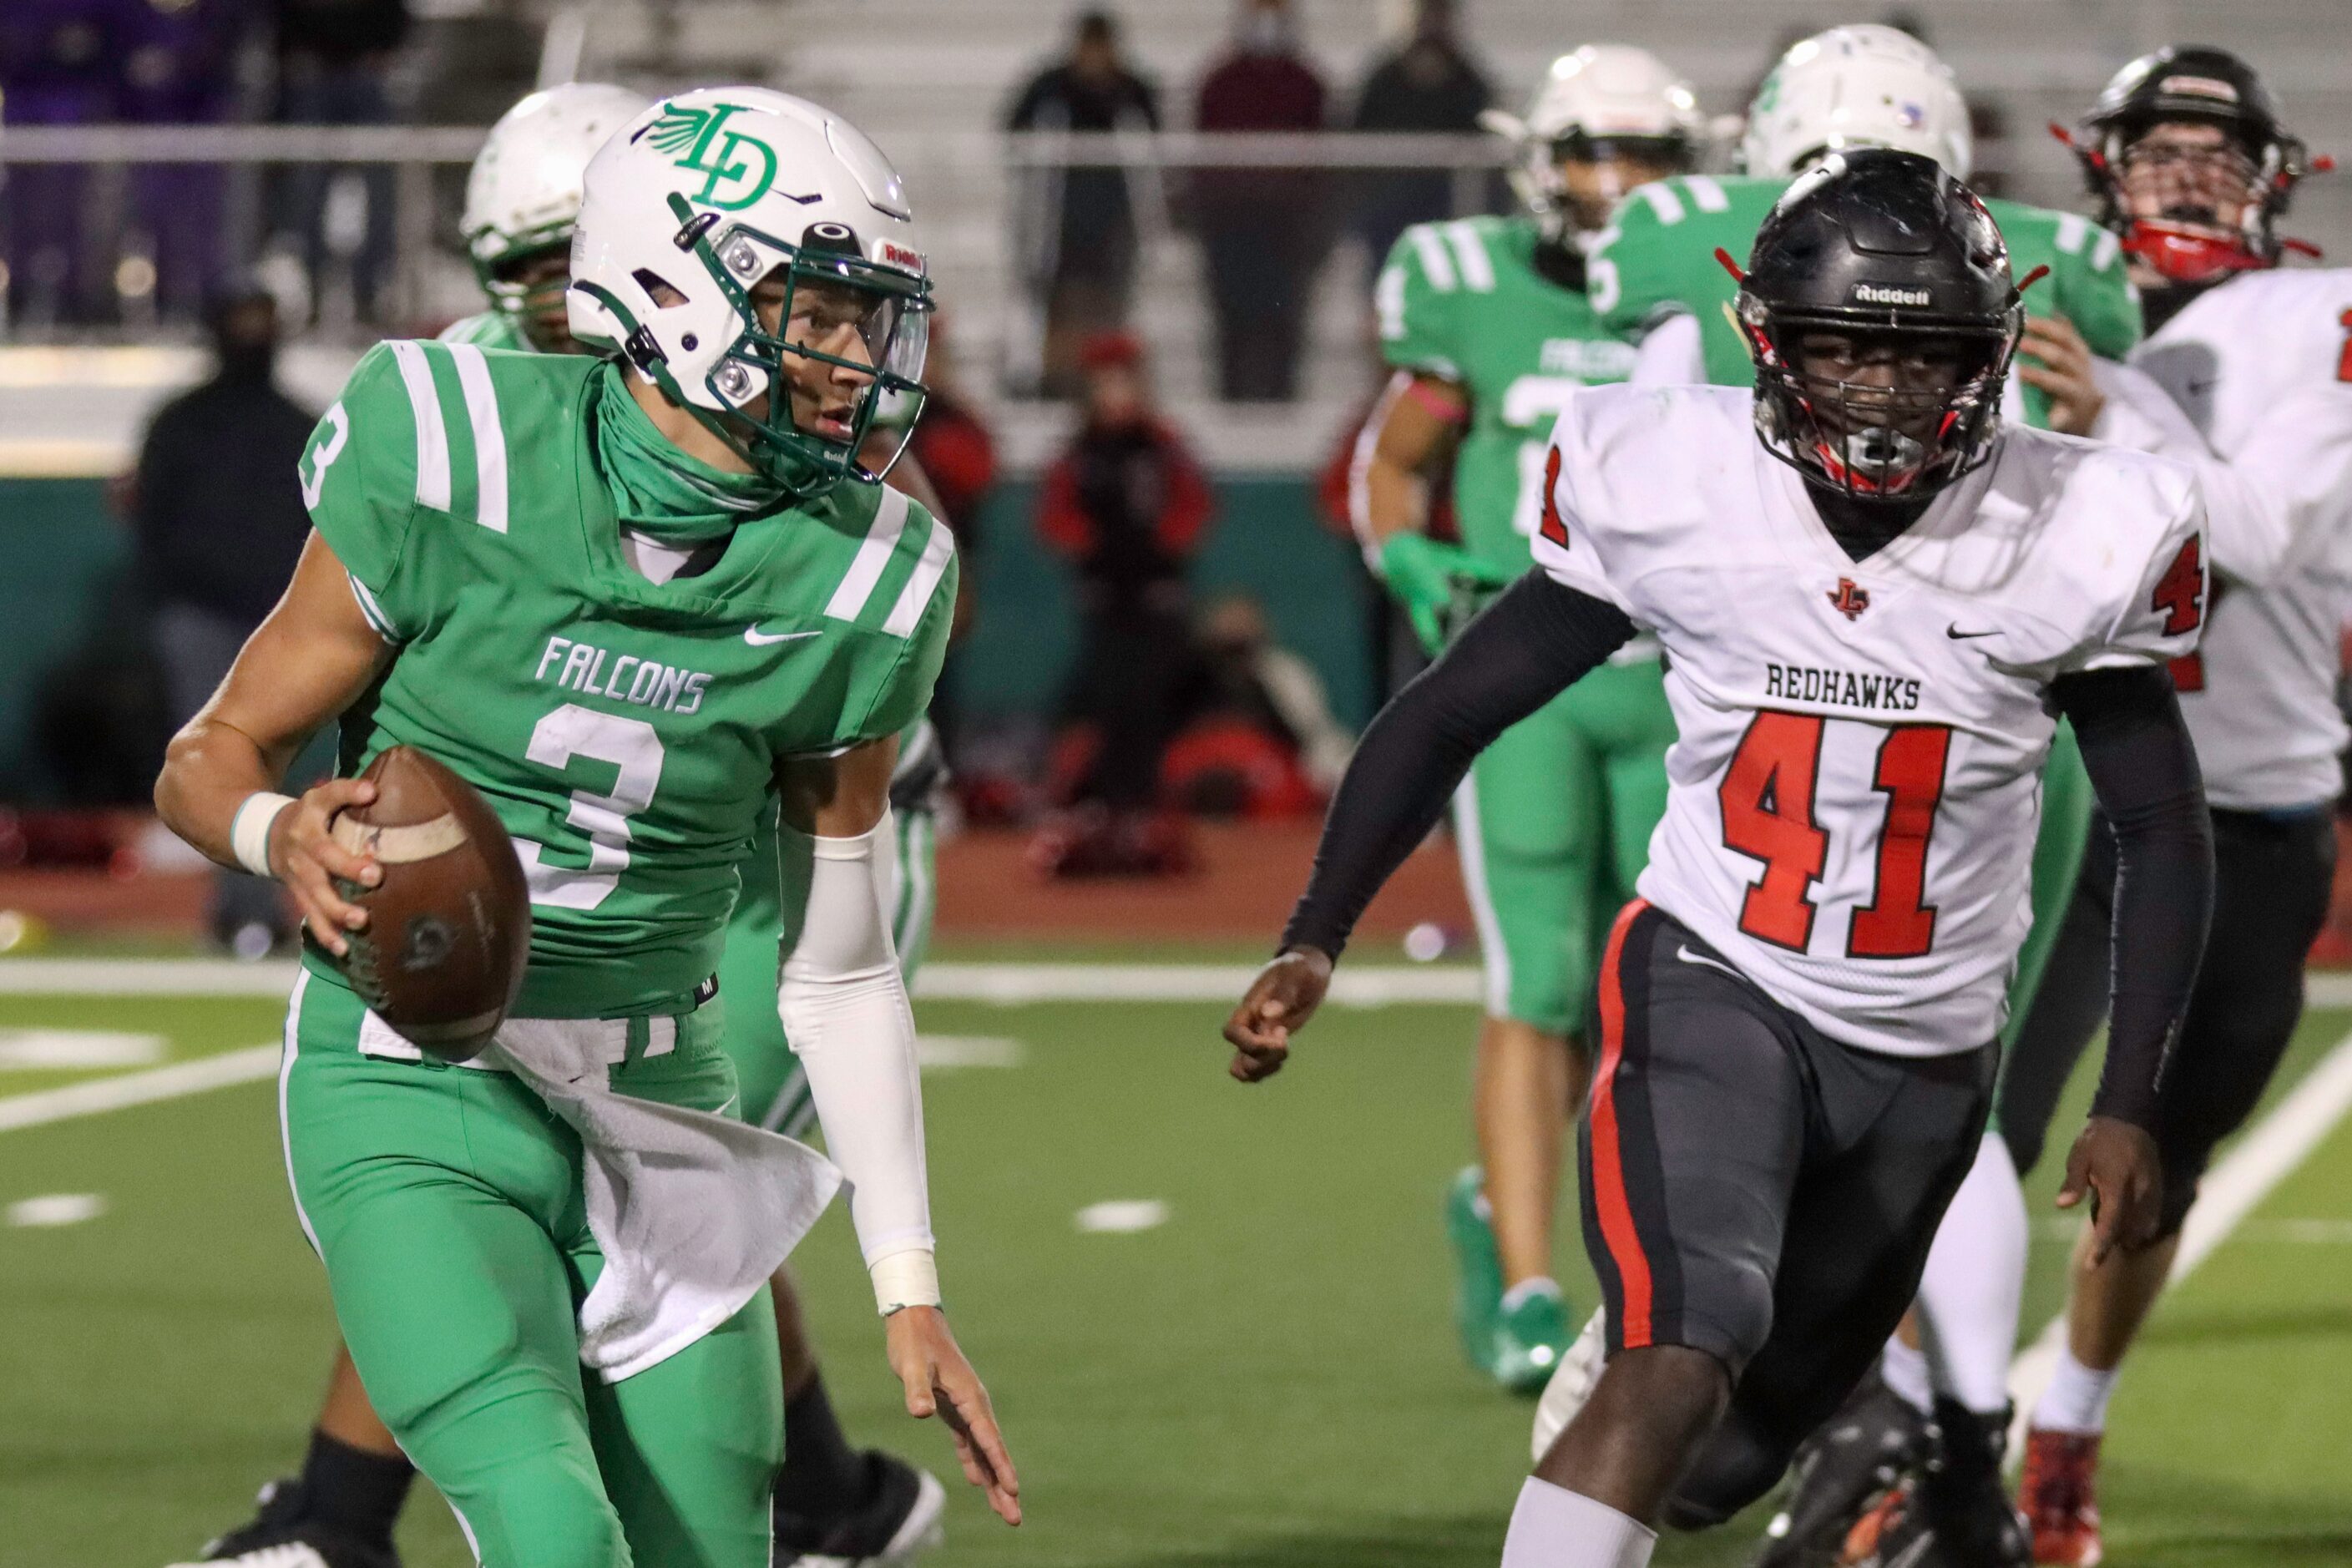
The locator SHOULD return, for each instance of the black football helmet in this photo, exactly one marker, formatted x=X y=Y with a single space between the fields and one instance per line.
x=2202 y=86
x=1874 y=245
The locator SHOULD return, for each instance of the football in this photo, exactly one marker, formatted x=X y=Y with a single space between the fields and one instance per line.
x=448 y=928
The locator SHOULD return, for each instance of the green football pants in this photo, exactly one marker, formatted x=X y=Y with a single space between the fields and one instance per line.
x=447 y=1203
x=2058 y=847
x=1553 y=826
x=776 y=1091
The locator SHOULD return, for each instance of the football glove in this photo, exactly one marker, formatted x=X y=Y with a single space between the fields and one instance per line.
x=1440 y=585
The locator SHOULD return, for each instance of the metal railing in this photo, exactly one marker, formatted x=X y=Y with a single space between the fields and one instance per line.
x=976 y=193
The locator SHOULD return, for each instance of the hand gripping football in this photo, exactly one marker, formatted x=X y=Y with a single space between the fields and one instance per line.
x=448 y=927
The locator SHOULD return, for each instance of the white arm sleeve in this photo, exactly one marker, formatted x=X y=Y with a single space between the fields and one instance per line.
x=1671 y=355
x=843 y=1005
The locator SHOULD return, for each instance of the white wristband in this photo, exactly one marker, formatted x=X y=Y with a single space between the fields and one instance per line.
x=908 y=1279
x=248 y=831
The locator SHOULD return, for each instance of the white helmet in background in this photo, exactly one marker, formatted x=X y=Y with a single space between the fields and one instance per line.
x=523 y=193
x=1858 y=85
x=700 y=198
x=1603 y=100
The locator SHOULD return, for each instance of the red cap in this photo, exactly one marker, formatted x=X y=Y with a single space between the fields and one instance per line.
x=1106 y=350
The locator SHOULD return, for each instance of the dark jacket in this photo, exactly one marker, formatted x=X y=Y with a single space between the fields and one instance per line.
x=219 y=512
x=1081 y=220
x=1426 y=86
x=1127 y=507
x=341 y=32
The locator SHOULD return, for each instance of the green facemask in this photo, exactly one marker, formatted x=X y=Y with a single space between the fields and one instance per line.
x=660 y=491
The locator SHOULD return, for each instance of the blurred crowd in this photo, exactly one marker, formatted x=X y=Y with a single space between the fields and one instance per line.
x=1263 y=233
x=82 y=245
x=1177 y=702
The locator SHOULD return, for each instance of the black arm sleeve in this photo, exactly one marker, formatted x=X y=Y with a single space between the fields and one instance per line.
x=2136 y=748
x=1527 y=648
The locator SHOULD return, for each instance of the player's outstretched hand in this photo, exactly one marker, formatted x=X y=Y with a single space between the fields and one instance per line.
x=304 y=853
x=2055 y=358
x=1430 y=577
x=2116 y=1164
x=1281 y=999
x=940 y=1381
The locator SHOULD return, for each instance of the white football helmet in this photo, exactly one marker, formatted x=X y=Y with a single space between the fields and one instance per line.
x=1604 y=99
x=1858 y=85
x=523 y=193
x=700 y=198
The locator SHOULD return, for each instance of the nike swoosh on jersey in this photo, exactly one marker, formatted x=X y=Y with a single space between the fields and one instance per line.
x=1954 y=632
x=758 y=638
x=1688 y=956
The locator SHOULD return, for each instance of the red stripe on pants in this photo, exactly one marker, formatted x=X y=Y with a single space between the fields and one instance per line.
x=1608 y=1162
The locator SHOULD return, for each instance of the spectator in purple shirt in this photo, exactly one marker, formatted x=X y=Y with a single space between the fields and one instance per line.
x=177 y=61
x=1262 y=230
x=55 y=68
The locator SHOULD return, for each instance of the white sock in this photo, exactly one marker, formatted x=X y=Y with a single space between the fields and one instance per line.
x=1552 y=1527
x=1974 y=1288
x=2077 y=1399
x=1905 y=1373
x=1535 y=1285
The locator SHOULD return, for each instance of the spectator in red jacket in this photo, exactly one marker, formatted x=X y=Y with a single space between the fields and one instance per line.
x=1127 y=506
x=1262 y=233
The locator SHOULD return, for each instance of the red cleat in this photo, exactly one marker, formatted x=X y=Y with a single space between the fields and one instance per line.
x=2059 y=1495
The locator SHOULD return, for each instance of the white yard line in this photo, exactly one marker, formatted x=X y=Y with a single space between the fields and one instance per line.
x=104 y=1094
x=1004 y=983
x=2232 y=1189
x=1371 y=985
x=144 y=977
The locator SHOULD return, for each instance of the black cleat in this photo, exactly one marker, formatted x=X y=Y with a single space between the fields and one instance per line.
x=895 y=1516
x=1846 y=1466
x=1953 y=1513
x=279 y=1536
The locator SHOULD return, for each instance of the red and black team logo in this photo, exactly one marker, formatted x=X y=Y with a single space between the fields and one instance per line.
x=1849 y=600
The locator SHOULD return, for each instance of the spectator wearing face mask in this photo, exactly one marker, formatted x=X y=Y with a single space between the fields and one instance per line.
x=1427 y=84
x=1076 y=228
x=1262 y=230
x=216 y=508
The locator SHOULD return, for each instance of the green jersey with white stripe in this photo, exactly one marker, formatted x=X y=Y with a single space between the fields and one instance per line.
x=626 y=732
x=1463 y=300
x=490 y=330
x=1657 y=258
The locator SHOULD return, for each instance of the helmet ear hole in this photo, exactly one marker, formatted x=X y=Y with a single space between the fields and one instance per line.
x=657 y=288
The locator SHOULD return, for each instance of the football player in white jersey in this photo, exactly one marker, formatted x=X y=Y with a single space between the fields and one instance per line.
x=2246 y=374
x=1875 y=601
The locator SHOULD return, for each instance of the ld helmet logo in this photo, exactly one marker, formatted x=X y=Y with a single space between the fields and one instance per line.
x=738 y=168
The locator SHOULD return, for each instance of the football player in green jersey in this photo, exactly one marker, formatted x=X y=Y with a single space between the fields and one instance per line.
x=1656 y=276
x=632 y=599
x=1489 y=327
x=522 y=200
x=1655 y=262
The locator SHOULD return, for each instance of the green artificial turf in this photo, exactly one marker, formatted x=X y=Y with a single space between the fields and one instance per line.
x=1267 y=1379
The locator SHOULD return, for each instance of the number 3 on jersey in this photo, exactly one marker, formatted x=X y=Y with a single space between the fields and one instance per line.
x=629 y=744
x=1766 y=796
